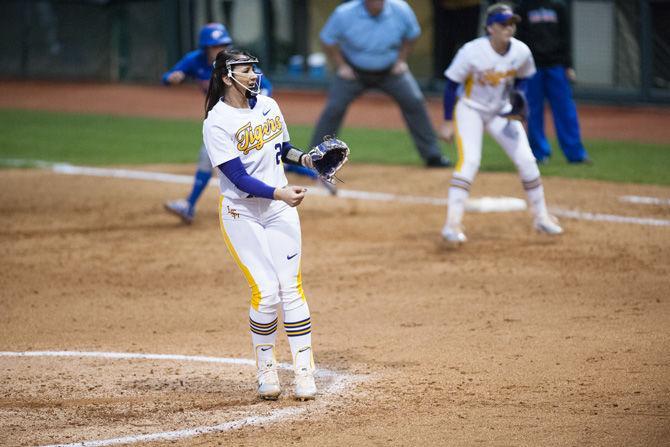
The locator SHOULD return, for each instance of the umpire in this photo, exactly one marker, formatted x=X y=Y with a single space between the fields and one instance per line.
x=369 y=41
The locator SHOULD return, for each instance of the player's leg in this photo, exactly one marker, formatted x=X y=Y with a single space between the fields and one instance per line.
x=564 y=112
x=468 y=130
x=247 y=242
x=536 y=136
x=511 y=136
x=406 y=92
x=185 y=208
x=283 y=230
x=341 y=93
x=202 y=176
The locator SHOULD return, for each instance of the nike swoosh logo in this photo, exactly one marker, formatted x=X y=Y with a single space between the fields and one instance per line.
x=291 y=257
x=265 y=112
x=265 y=349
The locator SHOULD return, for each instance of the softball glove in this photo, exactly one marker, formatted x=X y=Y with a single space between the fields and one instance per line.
x=519 y=111
x=328 y=157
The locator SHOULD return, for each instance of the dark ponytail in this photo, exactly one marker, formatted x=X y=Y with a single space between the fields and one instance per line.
x=217 y=89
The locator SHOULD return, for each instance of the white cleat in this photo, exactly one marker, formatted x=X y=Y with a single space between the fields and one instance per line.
x=268 y=381
x=454 y=235
x=305 y=387
x=547 y=224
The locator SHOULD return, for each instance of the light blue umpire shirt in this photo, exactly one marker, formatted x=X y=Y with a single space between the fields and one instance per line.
x=370 y=42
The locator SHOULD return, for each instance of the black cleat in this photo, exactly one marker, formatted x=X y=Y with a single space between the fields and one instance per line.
x=438 y=161
x=584 y=161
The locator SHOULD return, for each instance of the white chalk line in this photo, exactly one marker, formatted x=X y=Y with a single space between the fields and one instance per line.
x=597 y=217
x=644 y=200
x=65 y=168
x=339 y=381
x=68 y=169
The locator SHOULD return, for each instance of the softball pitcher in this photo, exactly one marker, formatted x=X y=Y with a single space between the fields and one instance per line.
x=481 y=76
x=197 y=64
x=248 y=141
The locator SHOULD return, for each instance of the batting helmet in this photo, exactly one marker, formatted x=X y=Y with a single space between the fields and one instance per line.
x=213 y=35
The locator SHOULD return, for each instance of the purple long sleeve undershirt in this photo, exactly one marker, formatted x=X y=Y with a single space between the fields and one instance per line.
x=234 y=170
x=449 y=99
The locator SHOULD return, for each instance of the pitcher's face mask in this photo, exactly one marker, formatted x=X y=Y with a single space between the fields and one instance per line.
x=252 y=88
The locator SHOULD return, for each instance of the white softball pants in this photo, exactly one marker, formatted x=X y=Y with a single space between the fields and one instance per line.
x=263 y=236
x=469 y=125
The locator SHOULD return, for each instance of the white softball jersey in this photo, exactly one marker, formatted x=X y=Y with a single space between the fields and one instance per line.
x=255 y=135
x=486 y=77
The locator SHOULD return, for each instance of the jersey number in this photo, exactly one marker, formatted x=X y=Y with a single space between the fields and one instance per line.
x=278 y=154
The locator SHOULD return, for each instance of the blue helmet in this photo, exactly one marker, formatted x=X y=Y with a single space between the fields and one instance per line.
x=213 y=35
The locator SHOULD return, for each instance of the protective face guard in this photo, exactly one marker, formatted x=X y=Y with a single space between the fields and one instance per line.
x=230 y=65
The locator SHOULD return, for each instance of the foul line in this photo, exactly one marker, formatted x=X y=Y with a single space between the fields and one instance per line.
x=68 y=169
x=339 y=383
x=597 y=217
x=644 y=200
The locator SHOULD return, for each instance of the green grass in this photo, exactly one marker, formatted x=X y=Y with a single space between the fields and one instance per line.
x=96 y=139
x=108 y=140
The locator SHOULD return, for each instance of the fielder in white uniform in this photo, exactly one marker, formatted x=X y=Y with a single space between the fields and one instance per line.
x=479 y=81
x=248 y=141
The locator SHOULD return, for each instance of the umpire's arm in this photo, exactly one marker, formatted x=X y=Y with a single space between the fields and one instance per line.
x=342 y=68
x=400 y=65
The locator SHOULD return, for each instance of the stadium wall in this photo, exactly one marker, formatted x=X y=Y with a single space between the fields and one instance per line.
x=621 y=47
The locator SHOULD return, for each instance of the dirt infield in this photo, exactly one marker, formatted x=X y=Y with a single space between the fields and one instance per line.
x=515 y=339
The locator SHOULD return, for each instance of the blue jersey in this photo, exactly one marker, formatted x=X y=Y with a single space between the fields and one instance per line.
x=194 y=65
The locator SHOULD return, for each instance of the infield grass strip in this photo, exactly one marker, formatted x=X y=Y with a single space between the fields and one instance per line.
x=111 y=140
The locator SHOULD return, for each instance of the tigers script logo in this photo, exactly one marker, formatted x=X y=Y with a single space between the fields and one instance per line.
x=493 y=78
x=250 y=138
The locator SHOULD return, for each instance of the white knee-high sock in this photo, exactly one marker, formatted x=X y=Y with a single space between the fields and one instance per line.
x=263 y=327
x=535 y=193
x=459 y=191
x=298 y=326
